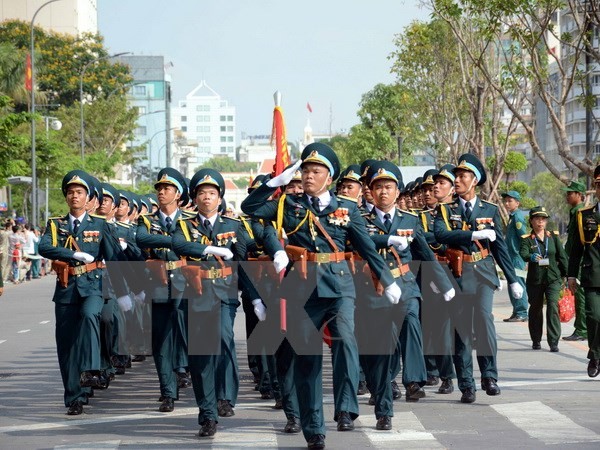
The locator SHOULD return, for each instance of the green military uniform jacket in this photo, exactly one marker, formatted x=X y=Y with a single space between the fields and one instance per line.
x=515 y=230
x=452 y=227
x=558 y=261
x=587 y=247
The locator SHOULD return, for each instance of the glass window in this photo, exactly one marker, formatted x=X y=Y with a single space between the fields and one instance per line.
x=229 y=138
x=223 y=139
x=139 y=90
x=229 y=128
x=223 y=118
x=223 y=128
x=229 y=118
x=184 y=118
x=141 y=110
x=223 y=149
x=183 y=128
x=140 y=131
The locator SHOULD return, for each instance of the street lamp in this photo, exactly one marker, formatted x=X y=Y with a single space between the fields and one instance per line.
x=85 y=67
x=56 y=125
x=34 y=220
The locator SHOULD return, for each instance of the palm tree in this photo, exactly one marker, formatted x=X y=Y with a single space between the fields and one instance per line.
x=12 y=76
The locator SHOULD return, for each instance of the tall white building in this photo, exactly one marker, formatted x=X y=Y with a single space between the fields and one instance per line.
x=208 y=121
x=66 y=16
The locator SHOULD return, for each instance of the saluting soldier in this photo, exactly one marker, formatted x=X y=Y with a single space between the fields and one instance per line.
x=548 y=263
x=470 y=229
x=208 y=241
x=78 y=242
x=515 y=230
x=318 y=225
x=585 y=253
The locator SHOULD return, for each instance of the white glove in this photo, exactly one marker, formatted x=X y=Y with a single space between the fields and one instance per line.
x=223 y=252
x=123 y=245
x=284 y=177
x=400 y=242
x=139 y=298
x=83 y=257
x=516 y=289
x=449 y=295
x=280 y=260
x=484 y=234
x=434 y=288
x=393 y=293
x=259 y=309
x=125 y=303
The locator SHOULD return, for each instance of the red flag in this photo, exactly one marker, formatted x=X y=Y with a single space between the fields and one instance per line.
x=28 y=74
x=308 y=107
x=282 y=154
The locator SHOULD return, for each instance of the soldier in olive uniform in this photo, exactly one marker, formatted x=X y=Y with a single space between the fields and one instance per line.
x=548 y=262
x=515 y=230
x=470 y=229
x=303 y=219
x=81 y=241
x=585 y=254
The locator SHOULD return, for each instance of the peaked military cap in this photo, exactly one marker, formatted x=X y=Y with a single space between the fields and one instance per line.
x=126 y=195
x=185 y=195
x=144 y=200
x=207 y=176
x=410 y=186
x=538 y=211
x=110 y=191
x=446 y=171
x=428 y=177
x=171 y=176
x=96 y=189
x=364 y=167
x=258 y=181
x=418 y=183
x=323 y=154
x=153 y=199
x=384 y=170
x=512 y=194
x=351 y=173
x=135 y=201
x=80 y=178
x=470 y=162
x=574 y=186
x=222 y=206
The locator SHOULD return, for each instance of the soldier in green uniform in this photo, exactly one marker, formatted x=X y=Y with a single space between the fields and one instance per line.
x=318 y=225
x=166 y=284
x=470 y=227
x=575 y=196
x=547 y=268
x=585 y=255
x=80 y=242
x=515 y=230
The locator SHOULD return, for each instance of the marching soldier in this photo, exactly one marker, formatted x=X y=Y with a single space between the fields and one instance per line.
x=585 y=253
x=318 y=225
x=469 y=228
x=78 y=242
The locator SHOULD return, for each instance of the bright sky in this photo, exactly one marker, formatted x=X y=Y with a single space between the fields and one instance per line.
x=325 y=52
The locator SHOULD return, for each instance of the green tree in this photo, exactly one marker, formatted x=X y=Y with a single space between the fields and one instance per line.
x=546 y=191
x=14 y=147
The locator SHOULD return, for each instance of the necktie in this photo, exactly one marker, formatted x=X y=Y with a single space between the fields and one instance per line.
x=315 y=204
x=468 y=210
x=208 y=226
x=76 y=223
x=387 y=222
x=168 y=221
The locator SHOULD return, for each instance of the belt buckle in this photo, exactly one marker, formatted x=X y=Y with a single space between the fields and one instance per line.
x=213 y=273
x=396 y=273
x=171 y=265
x=79 y=270
x=322 y=257
x=476 y=256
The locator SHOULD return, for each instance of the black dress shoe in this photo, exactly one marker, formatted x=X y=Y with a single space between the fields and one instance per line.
x=447 y=386
x=225 y=409
x=414 y=392
x=489 y=386
x=183 y=380
x=362 y=388
x=208 y=428
x=372 y=400
x=396 y=392
x=167 y=405
x=267 y=395
x=536 y=346
x=316 y=442
x=89 y=379
x=292 y=426
x=75 y=408
x=514 y=318
x=554 y=348
x=160 y=399
x=432 y=381
x=384 y=423
x=278 y=404
x=138 y=358
x=468 y=396
x=594 y=368
x=344 y=422
x=574 y=337
x=103 y=381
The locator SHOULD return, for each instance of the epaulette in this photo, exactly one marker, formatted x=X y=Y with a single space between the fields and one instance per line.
x=98 y=216
x=188 y=214
x=124 y=225
x=556 y=232
x=230 y=218
x=586 y=208
x=489 y=203
x=343 y=197
x=410 y=213
x=525 y=236
x=55 y=218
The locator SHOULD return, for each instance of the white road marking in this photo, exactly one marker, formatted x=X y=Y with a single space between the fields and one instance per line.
x=405 y=427
x=44 y=322
x=245 y=437
x=2 y=342
x=23 y=331
x=85 y=445
x=545 y=424
x=534 y=383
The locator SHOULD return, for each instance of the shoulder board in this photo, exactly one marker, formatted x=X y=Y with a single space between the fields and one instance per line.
x=410 y=213
x=186 y=217
x=343 y=197
x=489 y=203
x=188 y=214
x=587 y=208
x=56 y=218
x=556 y=232
x=98 y=216
x=230 y=218
x=525 y=236
x=124 y=225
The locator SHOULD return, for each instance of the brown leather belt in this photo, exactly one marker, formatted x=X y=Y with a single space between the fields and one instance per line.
x=442 y=259
x=214 y=273
x=80 y=270
x=172 y=265
x=326 y=257
x=400 y=271
x=476 y=256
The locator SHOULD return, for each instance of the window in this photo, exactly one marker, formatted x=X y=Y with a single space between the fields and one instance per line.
x=230 y=128
x=184 y=118
x=223 y=139
x=223 y=118
x=204 y=108
x=229 y=138
x=203 y=129
x=139 y=90
x=230 y=149
x=140 y=131
x=223 y=149
x=596 y=80
x=229 y=118
x=141 y=110
x=223 y=128
x=183 y=128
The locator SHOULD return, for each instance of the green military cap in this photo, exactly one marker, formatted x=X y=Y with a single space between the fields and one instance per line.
x=171 y=176
x=153 y=199
x=80 y=178
x=538 y=211
x=351 y=173
x=222 y=206
x=207 y=176
x=111 y=192
x=323 y=154
x=258 y=181
x=429 y=176
x=470 y=162
x=364 y=167
x=127 y=196
x=446 y=171
x=144 y=200
x=410 y=186
x=512 y=194
x=185 y=195
x=384 y=170
x=574 y=186
x=418 y=183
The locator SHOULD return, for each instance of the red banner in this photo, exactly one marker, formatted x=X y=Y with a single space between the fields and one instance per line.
x=282 y=154
x=28 y=74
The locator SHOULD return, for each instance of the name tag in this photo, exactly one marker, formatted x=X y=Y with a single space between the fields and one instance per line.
x=544 y=262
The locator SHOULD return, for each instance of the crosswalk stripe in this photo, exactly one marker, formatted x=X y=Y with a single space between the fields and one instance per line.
x=2 y=341
x=23 y=331
x=245 y=437
x=544 y=423
x=92 y=445
x=405 y=427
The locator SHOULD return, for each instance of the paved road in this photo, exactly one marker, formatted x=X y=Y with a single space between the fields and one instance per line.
x=547 y=399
